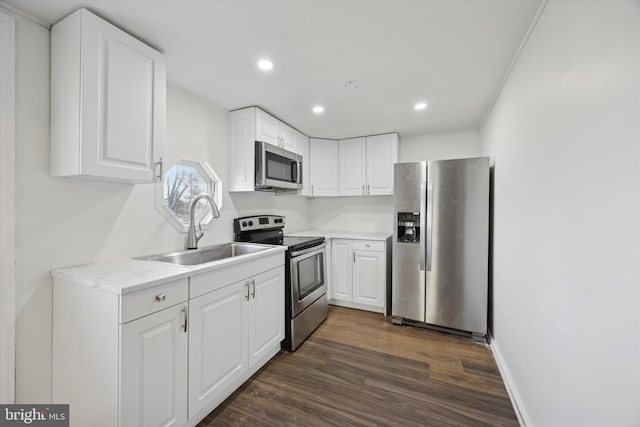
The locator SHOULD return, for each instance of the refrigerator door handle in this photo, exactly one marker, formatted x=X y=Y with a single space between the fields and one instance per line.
x=429 y=250
x=423 y=209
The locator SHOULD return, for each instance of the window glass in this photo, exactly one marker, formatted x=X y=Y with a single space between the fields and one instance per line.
x=183 y=181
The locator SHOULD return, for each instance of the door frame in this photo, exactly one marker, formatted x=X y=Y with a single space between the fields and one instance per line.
x=7 y=210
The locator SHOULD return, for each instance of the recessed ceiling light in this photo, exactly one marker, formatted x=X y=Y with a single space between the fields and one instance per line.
x=265 y=64
x=318 y=109
x=420 y=106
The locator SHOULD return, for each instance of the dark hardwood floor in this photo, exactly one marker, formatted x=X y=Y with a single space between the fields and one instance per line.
x=359 y=369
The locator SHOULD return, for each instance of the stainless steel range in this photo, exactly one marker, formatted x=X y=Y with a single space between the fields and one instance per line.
x=305 y=280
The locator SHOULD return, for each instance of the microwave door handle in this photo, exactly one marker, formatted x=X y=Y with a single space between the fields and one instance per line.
x=299 y=177
x=294 y=172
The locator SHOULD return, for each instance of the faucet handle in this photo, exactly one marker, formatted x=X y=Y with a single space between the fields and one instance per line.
x=199 y=233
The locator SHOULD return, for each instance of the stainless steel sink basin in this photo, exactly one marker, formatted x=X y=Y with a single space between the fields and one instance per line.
x=206 y=254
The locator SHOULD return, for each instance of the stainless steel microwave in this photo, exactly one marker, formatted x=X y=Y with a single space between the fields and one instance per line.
x=277 y=169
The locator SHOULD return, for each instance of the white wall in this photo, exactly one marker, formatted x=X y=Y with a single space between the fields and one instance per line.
x=565 y=138
x=63 y=222
x=373 y=213
x=440 y=146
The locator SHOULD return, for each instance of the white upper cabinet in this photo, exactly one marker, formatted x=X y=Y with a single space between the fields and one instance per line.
x=366 y=165
x=242 y=153
x=353 y=166
x=382 y=153
x=302 y=145
x=271 y=130
x=267 y=128
x=288 y=137
x=249 y=125
x=107 y=102
x=323 y=154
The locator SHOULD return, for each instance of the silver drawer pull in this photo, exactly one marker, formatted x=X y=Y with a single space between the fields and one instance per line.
x=161 y=297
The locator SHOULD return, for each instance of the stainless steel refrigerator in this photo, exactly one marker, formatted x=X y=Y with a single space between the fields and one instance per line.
x=441 y=244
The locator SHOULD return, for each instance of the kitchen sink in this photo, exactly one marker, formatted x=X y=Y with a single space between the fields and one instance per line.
x=206 y=254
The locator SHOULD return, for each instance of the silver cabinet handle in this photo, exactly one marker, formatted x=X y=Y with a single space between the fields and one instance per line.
x=253 y=289
x=368 y=190
x=246 y=284
x=160 y=166
x=354 y=257
x=161 y=297
x=312 y=190
x=185 y=314
x=363 y=189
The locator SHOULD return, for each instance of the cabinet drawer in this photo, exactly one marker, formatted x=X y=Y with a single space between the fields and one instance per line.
x=201 y=284
x=147 y=301
x=368 y=245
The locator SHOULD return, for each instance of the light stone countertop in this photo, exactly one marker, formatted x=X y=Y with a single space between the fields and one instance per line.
x=342 y=234
x=130 y=275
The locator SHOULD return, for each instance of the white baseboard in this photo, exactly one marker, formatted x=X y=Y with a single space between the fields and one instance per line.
x=516 y=400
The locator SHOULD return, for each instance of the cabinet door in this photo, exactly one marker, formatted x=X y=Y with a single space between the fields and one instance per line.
x=369 y=278
x=382 y=153
x=123 y=103
x=266 y=313
x=242 y=150
x=353 y=166
x=324 y=167
x=153 y=374
x=341 y=270
x=302 y=147
x=218 y=344
x=288 y=136
x=267 y=128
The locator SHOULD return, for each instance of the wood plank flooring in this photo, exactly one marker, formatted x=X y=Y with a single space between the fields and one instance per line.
x=358 y=369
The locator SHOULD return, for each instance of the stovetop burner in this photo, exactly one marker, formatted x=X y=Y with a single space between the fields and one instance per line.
x=268 y=229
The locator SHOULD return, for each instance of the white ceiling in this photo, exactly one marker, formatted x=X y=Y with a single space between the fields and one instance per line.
x=451 y=54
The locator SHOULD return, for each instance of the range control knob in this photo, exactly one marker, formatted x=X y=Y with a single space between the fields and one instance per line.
x=244 y=223
x=250 y=223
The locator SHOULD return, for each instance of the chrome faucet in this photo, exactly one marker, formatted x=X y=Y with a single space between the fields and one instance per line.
x=193 y=236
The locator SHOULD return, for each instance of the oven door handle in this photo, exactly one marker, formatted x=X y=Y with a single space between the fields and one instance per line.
x=307 y=250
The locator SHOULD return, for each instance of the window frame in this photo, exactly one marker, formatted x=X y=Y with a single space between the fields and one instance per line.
x=214 y=189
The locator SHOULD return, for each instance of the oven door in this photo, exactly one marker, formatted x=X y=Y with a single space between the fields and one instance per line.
x=277 y=168
x=308 y=279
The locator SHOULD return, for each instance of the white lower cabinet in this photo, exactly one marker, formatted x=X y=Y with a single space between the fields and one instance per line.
x=168 y=354
x=266 y=315
x=153 y=375
x=341 y=270
x=218 y=345
x=358 y=274
x=368 y=278
x=233 y=331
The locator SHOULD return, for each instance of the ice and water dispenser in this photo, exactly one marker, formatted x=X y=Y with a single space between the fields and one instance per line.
x=409 y=227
